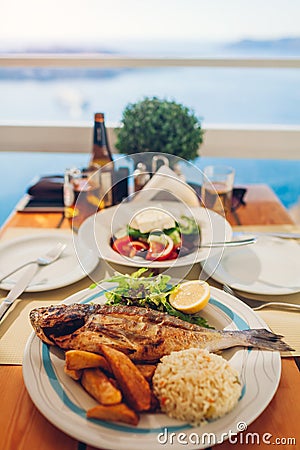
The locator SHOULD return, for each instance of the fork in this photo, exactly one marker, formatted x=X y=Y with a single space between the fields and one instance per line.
x=257 y=305
x=43 y=260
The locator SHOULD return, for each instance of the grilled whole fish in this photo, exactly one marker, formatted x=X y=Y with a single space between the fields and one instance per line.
x=143 y=334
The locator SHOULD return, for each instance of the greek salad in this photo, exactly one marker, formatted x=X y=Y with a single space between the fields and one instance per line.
x=155 y=235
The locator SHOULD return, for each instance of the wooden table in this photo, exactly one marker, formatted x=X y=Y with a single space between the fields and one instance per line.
x=24 y=428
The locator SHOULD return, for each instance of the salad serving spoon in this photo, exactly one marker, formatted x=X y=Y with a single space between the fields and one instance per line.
x=139 y=256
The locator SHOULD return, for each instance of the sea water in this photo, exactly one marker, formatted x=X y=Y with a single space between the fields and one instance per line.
x=18 y=171
x=217 y=95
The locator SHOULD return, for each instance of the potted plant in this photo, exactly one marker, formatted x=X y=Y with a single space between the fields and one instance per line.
x=159 y=126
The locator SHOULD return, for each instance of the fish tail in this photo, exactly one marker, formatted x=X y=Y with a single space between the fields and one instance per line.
x=264 y=339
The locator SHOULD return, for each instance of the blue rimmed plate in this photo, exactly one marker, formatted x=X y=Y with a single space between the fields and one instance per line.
x=64 y=402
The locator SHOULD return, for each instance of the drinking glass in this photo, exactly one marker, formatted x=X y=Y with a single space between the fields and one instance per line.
x=82 y=195
x=217 y=186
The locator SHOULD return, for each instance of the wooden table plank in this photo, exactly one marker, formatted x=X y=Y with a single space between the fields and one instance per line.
x=36 y=220
x=21 y=423
x=262 y=207
x=285 y=404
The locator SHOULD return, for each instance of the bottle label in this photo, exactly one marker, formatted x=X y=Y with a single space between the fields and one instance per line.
x=99 y=134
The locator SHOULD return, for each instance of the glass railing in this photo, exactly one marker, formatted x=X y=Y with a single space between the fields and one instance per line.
x=53 y=98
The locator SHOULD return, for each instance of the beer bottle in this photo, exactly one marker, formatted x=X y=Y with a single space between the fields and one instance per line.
x=102 y=159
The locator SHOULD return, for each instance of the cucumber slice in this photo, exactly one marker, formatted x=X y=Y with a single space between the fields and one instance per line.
x=188 y=225
x=174 y=235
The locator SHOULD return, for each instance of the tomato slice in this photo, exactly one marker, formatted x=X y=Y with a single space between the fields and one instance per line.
x=160 y=248
x=139 y=246
x=174 y=254
x=124 y=246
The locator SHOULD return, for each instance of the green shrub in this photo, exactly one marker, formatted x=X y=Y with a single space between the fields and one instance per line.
x=159 y=125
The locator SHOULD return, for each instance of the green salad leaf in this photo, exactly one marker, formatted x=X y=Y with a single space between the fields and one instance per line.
x=149 y=292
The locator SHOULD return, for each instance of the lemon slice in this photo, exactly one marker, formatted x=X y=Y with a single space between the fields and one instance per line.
x=191 y=296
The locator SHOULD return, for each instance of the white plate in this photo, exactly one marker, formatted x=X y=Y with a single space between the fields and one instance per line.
x=63 y=401
x=72 y=266
x=271 y=266
x=96 y=232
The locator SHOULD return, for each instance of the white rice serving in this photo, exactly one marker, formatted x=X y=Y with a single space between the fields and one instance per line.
x=194 y=385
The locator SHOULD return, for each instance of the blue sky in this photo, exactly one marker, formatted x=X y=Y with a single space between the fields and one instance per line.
x=77 y=21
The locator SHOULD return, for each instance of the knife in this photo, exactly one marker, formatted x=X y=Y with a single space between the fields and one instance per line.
x=282 y=235
x=17 y=290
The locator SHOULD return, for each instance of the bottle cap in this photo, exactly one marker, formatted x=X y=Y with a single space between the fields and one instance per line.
x=99 y=117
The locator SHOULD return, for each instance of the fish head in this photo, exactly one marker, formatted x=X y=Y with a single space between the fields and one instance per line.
x=58 y=320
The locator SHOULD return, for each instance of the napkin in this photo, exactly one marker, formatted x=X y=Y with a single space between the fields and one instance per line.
x=15 y=330
x=48 y=189
x=285 y=323
x=166 y=185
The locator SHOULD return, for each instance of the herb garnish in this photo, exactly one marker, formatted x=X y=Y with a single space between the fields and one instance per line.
x=149 y=292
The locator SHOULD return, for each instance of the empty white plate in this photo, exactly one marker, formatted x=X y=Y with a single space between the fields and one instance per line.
x=74 y=264
x=271 y=266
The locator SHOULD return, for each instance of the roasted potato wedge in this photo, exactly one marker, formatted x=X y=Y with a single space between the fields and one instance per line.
x=135 y=388
x=114 y=413
x=155 y=406
x=75 y=374
x=79 y=359
x=96 y=383
x=114 y=382
x=147 y=370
